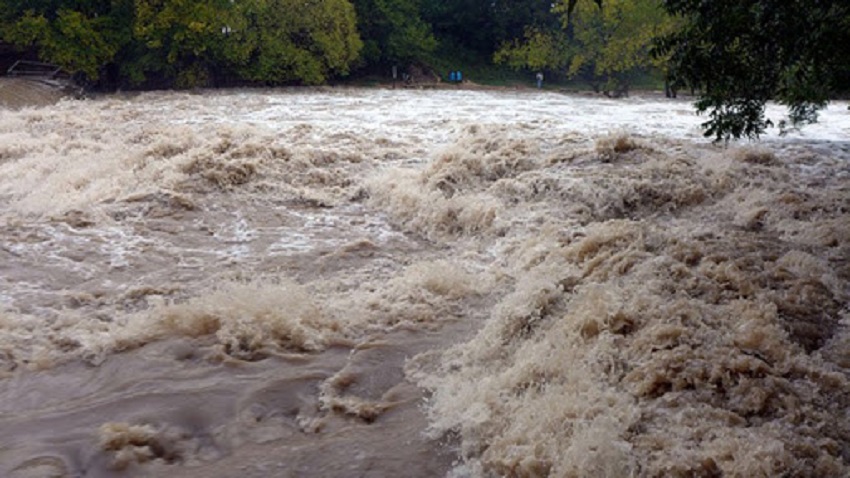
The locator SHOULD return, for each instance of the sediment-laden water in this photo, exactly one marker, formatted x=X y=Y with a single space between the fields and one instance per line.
x=22 y=92
x=340 y=282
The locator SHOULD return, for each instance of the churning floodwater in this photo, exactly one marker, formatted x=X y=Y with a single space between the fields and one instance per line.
x=367 y=282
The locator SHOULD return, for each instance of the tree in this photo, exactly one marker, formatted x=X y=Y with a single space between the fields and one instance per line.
x=483 y=26
x=740 y=54
x=81 y=37
x=605 y=45
x=613 y=43
x=539 y=49
x=319 y=41
x=461 y=22
x=393 y=31
x=180 y=39
x=187 y=42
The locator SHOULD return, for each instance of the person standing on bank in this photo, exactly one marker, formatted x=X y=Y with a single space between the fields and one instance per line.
x=539 y=79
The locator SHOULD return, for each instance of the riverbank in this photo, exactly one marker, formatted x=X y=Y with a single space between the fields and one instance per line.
x=17 y=93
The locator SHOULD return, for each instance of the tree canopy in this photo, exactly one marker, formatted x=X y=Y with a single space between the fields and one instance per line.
x=740 y=54
x=606 y=45
x=394 y=31
x=187 y=43
x=736 y=55
x=78 y=36
x=319 y=42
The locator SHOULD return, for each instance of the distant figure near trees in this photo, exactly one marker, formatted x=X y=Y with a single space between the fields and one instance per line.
x=669 y=88
x=539 y=79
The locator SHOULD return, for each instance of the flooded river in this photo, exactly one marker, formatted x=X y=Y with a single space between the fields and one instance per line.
x=347 y=282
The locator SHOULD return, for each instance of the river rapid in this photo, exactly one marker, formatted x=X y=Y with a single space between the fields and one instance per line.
x=367 y=282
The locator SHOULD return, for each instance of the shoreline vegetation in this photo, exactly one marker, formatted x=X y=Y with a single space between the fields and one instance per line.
x=734 y=57
x=20 y=92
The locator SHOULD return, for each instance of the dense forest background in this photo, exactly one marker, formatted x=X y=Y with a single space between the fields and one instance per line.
x=183 y=43
x=735 y=54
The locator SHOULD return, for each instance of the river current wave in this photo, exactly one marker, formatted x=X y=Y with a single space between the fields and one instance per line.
x=366 y=282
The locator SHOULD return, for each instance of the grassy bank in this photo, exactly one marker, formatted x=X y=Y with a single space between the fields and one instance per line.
x=479 y=70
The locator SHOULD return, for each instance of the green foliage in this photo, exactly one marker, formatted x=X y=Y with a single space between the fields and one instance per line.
x=187 y=43
x=320 y=41
x=613 y=43
x=483 y=26
x=739 y=54
x=462 y=22
x=183 y=39
x=79 y=39
x=393 y=31
x=608 y=46
x=539 y=49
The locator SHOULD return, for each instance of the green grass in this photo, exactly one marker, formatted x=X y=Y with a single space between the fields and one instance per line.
x=476 y=68
x=480 y=70
x=648 y=81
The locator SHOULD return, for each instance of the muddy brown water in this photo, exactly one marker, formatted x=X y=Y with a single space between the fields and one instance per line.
x=17 y=93
x=339 y=282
